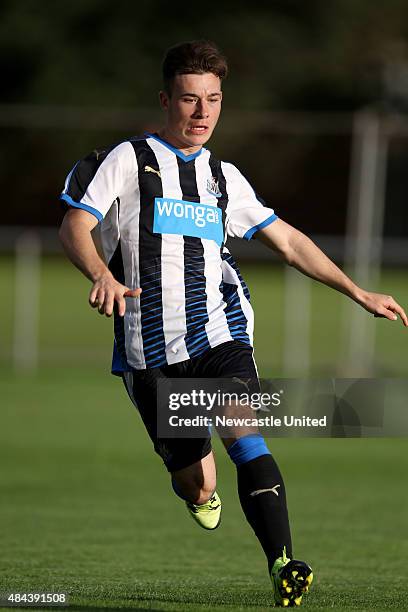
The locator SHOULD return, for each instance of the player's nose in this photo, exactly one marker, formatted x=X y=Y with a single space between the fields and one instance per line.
x=201 y=110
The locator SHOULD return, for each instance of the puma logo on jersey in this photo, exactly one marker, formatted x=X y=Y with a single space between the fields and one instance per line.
x=150 y=169
x=98 y=153
x=242 y=382
x=259 y=491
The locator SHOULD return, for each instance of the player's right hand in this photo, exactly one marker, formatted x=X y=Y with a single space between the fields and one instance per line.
x=106 y=292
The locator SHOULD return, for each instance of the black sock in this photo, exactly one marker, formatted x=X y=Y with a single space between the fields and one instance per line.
x=265 y=511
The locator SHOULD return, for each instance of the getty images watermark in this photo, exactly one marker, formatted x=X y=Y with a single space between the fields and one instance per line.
x=190 y=408
x=220 y=402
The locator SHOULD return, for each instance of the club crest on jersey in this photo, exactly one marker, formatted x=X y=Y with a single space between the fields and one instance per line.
x=212 y=187
x=187 y=219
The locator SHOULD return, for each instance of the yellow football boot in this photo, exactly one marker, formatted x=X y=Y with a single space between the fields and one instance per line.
x=291 y=579
x=207 y=515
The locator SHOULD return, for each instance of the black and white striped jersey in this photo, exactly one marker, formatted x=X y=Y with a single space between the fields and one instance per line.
x=165 y=218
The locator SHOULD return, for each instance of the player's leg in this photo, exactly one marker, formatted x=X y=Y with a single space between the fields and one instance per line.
x=260 y=484
x=262 y=495
x=261 y=487
x=190 y=461
x=195 y=484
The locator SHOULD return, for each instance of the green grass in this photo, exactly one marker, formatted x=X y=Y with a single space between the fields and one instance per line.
x=86 y=508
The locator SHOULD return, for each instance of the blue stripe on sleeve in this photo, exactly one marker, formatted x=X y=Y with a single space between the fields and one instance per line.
x=89 y=209
x=248 y=235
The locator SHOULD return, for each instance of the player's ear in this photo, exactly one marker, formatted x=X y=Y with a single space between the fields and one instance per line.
x=164 y=100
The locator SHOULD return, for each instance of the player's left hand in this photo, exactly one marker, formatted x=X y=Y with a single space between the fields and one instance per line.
x=383 y=306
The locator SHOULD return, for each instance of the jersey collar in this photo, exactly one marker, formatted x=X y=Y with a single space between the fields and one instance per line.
x=177 y=152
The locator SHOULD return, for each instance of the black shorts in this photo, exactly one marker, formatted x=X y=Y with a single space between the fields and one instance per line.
x=231 y=359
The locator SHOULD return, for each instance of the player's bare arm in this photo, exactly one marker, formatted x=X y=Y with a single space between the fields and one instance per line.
x=75 y=234
x=302 y=253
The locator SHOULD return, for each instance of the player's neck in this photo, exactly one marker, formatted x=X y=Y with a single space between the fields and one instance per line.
x=172 y=140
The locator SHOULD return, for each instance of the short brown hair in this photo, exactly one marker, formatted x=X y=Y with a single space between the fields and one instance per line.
x=194 y=57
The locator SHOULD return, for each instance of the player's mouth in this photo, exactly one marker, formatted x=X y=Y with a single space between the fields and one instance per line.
x=198 y=129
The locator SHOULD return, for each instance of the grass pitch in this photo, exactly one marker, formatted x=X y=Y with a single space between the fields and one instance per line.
x=86 y=506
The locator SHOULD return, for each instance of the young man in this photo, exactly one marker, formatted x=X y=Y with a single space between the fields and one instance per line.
x=181 y=308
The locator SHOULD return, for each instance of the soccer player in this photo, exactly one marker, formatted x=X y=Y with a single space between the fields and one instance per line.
x=181 y=308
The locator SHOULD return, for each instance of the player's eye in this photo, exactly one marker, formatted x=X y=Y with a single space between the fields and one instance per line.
x=190 y=100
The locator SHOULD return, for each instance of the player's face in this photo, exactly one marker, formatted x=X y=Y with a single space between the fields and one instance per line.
x=192 y=110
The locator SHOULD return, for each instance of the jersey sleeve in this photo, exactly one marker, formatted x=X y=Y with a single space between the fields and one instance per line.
x=246 y=212
x=96 y=181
